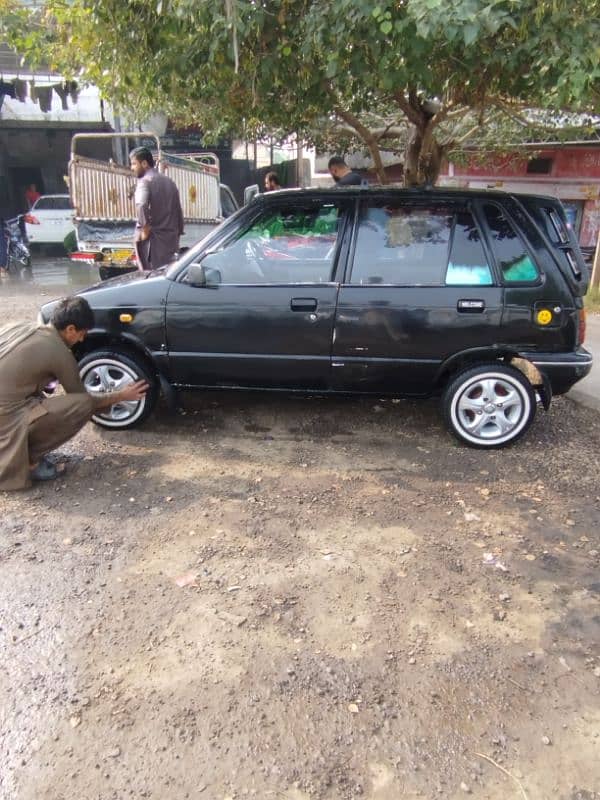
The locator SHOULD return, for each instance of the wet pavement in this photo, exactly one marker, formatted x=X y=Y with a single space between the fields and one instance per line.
x=51 y=267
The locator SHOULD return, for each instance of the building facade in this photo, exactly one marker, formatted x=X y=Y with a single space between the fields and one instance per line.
x=39 y=113
x=569 y=171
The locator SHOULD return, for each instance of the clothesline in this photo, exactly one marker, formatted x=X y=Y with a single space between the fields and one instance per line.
x=19 y=89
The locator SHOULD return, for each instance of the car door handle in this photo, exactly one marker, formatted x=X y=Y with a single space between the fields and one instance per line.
x=470 y=306
x=303 y=304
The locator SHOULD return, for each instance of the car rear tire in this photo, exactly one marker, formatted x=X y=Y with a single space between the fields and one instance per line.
x=108 y=371
x=489 y=406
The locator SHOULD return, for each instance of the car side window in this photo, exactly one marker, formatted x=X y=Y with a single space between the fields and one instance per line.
x=292 y=244
x=514 y=261
x=402 y=245
x=468 y=264
x=228 y=206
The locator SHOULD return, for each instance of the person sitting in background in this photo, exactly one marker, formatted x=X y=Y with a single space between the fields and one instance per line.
x=272 y=182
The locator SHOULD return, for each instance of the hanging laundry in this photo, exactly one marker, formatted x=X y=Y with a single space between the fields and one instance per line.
x=20 y=89
x=7 y=89
x=73 y=90
x=44 y=97
x=62 y=91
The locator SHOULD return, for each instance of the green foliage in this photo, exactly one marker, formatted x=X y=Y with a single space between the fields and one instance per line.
x=429 y=74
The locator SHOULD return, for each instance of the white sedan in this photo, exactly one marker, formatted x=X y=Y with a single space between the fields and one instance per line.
x=50 y=219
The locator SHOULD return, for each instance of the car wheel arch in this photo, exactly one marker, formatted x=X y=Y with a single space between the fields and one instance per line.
x=458 y=362
x=128 y=345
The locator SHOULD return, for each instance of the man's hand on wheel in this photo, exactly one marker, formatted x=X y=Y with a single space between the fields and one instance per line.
x=133 y=391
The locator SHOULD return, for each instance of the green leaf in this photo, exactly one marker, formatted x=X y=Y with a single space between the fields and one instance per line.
x=386 y=26
x=470 y=34
x=331 y=69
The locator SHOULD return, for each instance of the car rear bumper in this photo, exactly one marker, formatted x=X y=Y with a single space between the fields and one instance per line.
x=563 y=370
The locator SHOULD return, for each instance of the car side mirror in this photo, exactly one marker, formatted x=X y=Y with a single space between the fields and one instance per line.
x=250 y=192
x=196 y=275
x=203 y=275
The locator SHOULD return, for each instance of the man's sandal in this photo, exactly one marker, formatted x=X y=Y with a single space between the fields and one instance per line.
x=45 y=471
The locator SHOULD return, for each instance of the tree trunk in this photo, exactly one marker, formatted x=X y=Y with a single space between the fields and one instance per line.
x=376 y=156
x=423 y=158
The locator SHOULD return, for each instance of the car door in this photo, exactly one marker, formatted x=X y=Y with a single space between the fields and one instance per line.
x=419 y=290
x=265 y=316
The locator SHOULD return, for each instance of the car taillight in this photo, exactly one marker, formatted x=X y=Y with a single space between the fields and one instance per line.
x=581 y=326
x=29 y=218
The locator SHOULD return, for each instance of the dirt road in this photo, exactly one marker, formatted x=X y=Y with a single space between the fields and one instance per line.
x=277 y=597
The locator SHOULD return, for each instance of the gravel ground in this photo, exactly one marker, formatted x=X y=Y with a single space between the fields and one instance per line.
x=277 y=597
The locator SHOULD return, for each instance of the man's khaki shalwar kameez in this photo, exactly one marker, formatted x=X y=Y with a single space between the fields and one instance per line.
x=31 y=425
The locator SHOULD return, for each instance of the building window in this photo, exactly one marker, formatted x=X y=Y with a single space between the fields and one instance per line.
x=539 y=166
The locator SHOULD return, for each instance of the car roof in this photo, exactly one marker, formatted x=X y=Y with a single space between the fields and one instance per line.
x=418 y=193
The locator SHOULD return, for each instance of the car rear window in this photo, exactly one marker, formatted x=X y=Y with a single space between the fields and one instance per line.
x=53 y=204
x=515 y=262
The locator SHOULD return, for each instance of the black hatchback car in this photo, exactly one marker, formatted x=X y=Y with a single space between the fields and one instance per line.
x=472 y=296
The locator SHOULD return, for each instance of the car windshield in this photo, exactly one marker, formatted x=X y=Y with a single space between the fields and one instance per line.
x=191 y=255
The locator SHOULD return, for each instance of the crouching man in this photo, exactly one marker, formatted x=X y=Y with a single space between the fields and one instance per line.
x=31 y=425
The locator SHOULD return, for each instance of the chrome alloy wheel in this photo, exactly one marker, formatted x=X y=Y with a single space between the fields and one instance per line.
x=105 y=375
x=491 y=408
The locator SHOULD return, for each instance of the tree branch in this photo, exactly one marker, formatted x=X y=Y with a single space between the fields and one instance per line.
x=406 y=107
x=367 y=137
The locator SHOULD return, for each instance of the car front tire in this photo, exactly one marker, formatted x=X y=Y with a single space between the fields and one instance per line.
x=104 y=371
x=489 y=405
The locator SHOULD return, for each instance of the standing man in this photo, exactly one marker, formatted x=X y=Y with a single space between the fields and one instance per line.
x=272 y=182
x=31 y=195
x=158 y=210
x=341 y=172
x=31 y=425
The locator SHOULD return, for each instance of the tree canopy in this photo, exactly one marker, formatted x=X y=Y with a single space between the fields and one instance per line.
x=420 y=77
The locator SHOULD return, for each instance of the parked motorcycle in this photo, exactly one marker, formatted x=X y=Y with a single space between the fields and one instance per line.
x=15 y=257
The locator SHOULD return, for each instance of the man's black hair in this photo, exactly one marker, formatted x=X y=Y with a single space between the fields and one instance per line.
x=142 y=154
x=273 y=176
x=73 y=311
x=336 y=161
